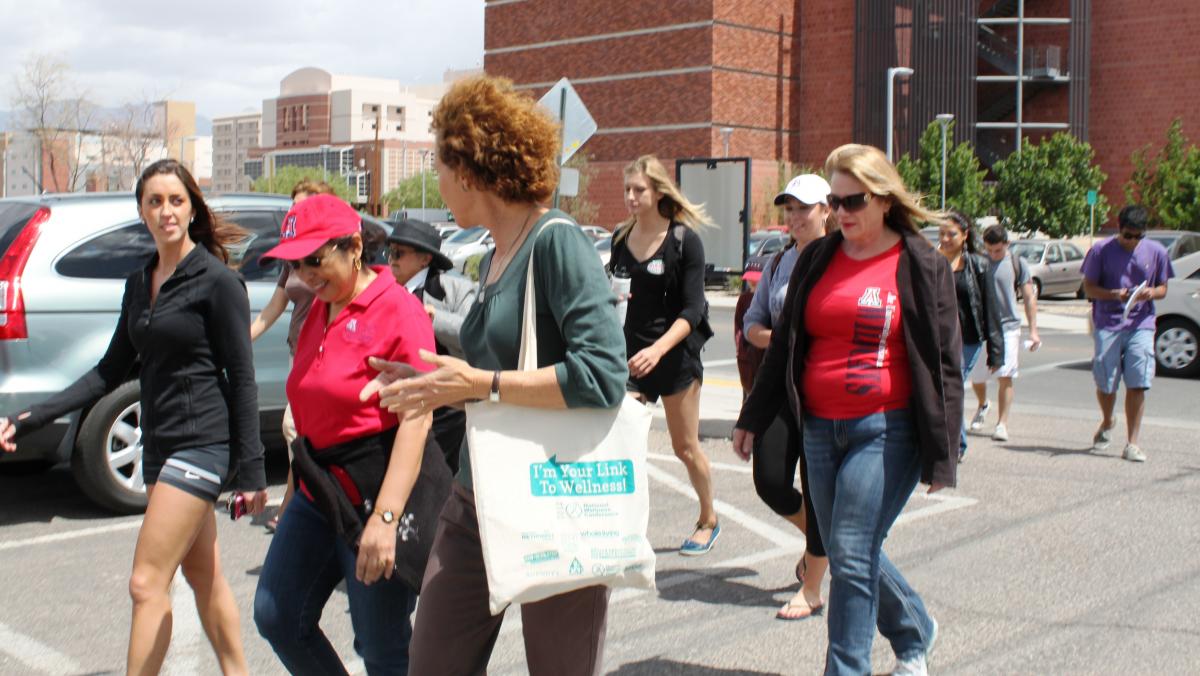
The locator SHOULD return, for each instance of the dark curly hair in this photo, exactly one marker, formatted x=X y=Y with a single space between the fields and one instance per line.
x=501 y=140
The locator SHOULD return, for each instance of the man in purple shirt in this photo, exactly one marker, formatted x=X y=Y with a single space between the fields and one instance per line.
x=1123 y=276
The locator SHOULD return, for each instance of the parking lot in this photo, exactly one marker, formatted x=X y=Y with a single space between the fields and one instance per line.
x=1047 y=558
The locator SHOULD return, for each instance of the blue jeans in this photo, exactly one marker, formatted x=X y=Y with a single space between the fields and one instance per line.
x=970 y=355
x=860 y=473
x=306 y=562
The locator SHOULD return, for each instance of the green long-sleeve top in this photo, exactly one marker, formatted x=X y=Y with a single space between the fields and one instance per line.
x=577 y=328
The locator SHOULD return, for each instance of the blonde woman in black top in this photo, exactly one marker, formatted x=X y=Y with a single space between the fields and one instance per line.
x=185 y=319
x=666 y=322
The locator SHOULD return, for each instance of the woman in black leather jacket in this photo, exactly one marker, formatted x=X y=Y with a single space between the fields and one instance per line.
x=977 y=312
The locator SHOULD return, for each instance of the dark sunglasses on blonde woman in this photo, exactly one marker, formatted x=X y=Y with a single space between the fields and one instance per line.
x=849 y=203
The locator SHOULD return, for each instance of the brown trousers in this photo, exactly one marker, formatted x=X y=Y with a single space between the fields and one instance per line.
x=454 y=633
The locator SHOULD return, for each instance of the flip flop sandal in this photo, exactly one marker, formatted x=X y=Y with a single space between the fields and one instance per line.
x=782 y=613
x=801 y=569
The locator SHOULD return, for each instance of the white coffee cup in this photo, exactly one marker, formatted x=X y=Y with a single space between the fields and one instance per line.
x=620 y=287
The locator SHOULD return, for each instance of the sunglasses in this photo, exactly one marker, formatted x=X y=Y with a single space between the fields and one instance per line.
x=850 y=203
x=397 y=254
x=311 y=261
x=1132 y=235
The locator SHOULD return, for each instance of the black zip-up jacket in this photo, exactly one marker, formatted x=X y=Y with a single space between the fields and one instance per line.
x=983 y=310
x=196 y=365
x=929 y=307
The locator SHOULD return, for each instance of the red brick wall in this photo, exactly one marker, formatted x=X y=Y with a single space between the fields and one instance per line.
x=824 y=100
x=1145 y=73
x=317 y=130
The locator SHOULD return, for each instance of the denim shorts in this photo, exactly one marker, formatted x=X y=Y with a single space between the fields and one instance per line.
x=200 y=471
x=1128 y=353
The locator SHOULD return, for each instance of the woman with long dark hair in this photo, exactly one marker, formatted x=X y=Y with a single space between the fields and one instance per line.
x=666 y=323
x=978 y=314
x=185 y=320
x=872 y=362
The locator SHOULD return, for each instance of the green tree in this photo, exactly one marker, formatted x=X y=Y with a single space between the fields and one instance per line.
x=286 y=177
x=581 y=207
x=1169 y=183
x=965 y=189
x=1044 y=188
x=407 y=194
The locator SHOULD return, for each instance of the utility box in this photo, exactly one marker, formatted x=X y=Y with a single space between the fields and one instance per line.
x=722 y=185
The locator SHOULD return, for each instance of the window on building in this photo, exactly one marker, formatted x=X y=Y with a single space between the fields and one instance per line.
x=304 y=117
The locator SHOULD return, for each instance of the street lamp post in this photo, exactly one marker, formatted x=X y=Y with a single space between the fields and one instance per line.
x=892 y=74
x=944 y=120
x=726 y=133
x=424 y=155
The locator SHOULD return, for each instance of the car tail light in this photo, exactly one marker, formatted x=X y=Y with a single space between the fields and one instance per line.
x=12 y=266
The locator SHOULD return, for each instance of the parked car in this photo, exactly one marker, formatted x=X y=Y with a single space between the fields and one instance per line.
x=447 y=230
x=1177 y=336
x=1178 y=243
x=766 y=242
x=63 y=264
x=1055 y=266
x=467 y=243
x=595 y=232
x=604 y=248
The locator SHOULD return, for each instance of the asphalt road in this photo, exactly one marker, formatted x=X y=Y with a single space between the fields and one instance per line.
x=1047 y=558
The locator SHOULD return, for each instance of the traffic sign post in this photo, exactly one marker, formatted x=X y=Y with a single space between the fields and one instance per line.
x=576 y=124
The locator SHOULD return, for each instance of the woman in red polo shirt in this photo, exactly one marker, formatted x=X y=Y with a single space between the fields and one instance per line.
x=356 y=464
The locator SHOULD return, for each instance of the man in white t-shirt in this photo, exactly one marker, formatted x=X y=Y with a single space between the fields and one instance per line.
x=1007 y=273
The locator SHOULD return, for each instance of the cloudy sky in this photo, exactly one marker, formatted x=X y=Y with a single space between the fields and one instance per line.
x=228 y=56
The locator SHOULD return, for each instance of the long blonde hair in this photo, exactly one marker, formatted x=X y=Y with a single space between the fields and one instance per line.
x=672 y=204
x=869 y=166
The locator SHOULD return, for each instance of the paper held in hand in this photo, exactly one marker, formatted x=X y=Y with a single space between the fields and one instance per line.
x=1133 y=294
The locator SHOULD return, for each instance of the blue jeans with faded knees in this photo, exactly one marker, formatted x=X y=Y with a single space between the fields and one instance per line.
x=861 y=472
x=970 y=355
x=306 y=562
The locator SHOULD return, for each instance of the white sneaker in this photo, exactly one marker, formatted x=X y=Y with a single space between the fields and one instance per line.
x=980 y=416
x=1001 y=433
x=918 y=665
x=1133 y=454
x=1101 y=439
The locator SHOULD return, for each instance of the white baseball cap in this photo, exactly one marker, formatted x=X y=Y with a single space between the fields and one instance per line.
x=808 y=188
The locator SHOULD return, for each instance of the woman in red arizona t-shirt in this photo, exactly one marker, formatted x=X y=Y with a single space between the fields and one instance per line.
x=341 y=525
x=870 y=362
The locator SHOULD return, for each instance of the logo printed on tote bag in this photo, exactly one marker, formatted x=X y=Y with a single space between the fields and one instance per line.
x=555 y=479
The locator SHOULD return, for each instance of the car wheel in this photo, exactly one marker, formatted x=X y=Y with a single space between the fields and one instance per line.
x=1177 y=347
x=107 y=462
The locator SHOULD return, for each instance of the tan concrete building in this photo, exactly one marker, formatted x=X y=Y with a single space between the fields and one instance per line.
x=233 y=138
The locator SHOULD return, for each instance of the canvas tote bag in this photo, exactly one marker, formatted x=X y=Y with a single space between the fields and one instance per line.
x=561 y=495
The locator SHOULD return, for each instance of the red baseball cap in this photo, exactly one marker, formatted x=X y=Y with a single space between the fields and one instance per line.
x=752 y=275
x=313 y=222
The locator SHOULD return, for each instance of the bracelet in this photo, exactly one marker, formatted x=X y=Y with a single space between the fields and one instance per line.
x=494 y=394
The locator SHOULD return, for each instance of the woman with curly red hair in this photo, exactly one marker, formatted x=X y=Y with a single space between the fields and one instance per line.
x=497 y=164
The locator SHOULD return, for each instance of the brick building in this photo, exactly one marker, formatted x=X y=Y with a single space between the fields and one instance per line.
x=792 y=79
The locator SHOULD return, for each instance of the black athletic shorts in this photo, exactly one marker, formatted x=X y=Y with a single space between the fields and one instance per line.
x=674 y=373
x=200 y=471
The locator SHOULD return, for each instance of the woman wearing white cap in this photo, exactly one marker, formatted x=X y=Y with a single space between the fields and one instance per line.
x=805 y=203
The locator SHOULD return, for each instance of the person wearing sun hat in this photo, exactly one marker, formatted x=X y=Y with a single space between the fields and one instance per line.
x=805 y=202
x=414 y=253
x=356 y=466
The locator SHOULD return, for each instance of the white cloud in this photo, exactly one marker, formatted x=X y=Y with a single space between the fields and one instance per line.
x=228 y=55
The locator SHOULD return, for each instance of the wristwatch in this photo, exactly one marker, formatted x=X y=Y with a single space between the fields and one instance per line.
x=388 y=516
x=494 y=394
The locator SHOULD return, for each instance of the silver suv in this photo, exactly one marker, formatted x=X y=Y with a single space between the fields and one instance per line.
x=63 y=264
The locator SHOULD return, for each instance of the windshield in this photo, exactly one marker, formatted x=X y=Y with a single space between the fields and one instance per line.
x=757 y=240
x=604 y=244
x=469 y=235
x=1165 y=240
x=1032 y=253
